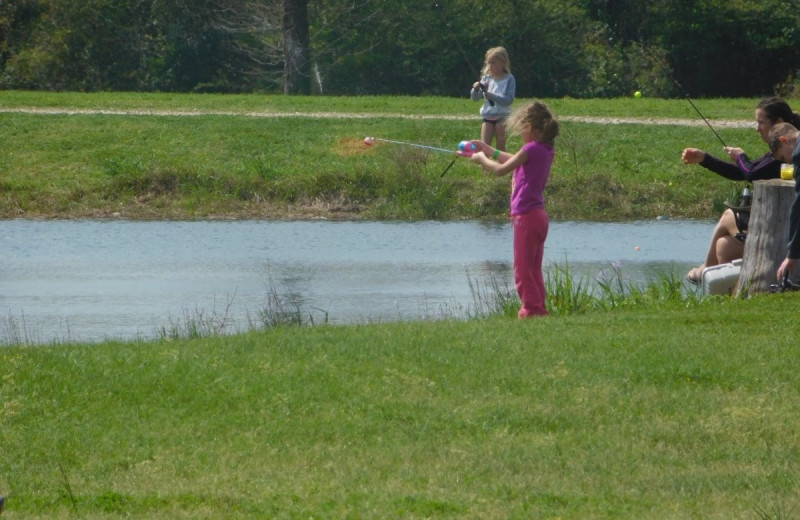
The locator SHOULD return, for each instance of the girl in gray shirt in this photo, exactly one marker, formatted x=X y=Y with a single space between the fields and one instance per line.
x=497 y=88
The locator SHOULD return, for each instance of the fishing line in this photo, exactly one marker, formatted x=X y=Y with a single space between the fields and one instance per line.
x=369 y=140
x=680 y=87
x=465 y=149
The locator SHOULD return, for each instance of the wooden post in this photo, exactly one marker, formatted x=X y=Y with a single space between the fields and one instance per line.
x=767 y=235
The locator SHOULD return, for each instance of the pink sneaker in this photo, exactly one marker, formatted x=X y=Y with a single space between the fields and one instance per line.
x=526 y=313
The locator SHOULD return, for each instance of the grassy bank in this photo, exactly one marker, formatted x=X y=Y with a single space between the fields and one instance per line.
x=663 y=412
x=272 y=156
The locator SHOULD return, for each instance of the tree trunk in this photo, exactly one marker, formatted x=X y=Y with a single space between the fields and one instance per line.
x=296 y=69
x=767 y=235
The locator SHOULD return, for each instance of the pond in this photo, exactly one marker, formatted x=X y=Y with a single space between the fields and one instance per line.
x=91 y=280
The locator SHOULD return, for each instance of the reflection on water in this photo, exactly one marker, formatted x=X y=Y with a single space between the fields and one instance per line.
x=93 y=280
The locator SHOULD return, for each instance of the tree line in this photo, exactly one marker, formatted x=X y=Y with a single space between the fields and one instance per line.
x=577 y=48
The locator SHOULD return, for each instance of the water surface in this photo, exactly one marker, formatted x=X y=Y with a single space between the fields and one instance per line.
x=90 y=280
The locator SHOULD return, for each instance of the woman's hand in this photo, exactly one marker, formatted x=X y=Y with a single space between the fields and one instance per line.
x=733 y=152
x=692 y=155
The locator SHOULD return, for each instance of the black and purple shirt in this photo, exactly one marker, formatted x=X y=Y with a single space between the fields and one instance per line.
x=744 y=169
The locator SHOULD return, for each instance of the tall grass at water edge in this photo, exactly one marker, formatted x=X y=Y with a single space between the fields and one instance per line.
x=569 y=293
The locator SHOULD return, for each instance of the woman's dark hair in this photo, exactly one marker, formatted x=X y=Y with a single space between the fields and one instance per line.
x=775 y=108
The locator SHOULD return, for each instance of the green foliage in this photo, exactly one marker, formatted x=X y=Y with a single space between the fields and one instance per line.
x=118 y=45
x=576 y=48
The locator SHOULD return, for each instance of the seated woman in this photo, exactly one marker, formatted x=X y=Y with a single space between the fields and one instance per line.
x=727 y=241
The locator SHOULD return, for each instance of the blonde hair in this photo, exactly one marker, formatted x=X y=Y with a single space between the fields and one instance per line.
x=776 y=132
x=499 y=52
x=535 y=115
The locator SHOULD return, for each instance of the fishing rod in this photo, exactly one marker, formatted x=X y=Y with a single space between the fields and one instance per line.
x=464 y=149
x=680 y=87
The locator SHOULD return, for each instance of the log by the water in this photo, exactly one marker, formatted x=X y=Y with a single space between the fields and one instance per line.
x=767 y=235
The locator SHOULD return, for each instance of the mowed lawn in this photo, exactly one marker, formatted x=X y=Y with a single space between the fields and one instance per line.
x=672 y=411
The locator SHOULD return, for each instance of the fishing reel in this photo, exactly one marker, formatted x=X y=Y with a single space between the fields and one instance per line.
x=466 y=148
x=484 y=89
x=785 y=285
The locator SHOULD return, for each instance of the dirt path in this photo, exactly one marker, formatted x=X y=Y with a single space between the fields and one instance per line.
x=335 y=115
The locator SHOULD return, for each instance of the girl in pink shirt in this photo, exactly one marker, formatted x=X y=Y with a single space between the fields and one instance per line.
x=538 y=127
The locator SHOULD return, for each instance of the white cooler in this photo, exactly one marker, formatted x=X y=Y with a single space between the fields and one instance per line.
x=722 y=278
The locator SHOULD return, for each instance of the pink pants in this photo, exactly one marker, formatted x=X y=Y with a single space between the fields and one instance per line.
x=530 y=232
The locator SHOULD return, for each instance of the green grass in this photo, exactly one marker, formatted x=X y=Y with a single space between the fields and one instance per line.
x=724 y=109
x=235 y=165
x=667 y=411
